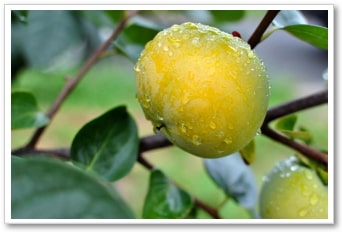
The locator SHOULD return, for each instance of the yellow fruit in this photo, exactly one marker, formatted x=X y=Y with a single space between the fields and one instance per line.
x=204 y=89
x=293 y=191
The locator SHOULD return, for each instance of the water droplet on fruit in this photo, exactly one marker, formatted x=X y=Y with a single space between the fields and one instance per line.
x=166 y=48
x=228 y=140
x=313 y=199
x=137 y=67
x=305 y=190
x=308 y=175
x=175 y=28
x=183 y=128
x=303 y=212
x=170 y=53
x=196 y=140
x=250 y=55
x=159 y=44
x=293 y=168
x=195 y=41
x=212 y=125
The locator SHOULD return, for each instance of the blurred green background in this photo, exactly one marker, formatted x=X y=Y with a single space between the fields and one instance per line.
x=111 y=83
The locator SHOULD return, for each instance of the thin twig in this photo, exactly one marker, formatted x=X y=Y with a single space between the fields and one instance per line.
x=297 y=105
x=289 y=108
x=259 y=31
x=72 y=82
x=62 y=153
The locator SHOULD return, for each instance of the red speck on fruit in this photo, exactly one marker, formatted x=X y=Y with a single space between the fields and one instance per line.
x=236 y=34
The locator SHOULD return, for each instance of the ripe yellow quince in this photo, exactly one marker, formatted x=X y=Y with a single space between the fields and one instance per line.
x=204 y=89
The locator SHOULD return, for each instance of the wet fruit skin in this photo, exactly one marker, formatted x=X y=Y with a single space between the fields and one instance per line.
x=292 y=191
x=204 y=89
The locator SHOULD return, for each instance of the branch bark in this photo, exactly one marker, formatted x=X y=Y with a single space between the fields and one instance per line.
x=72 y=82
x=289 y=108
x=259 y=31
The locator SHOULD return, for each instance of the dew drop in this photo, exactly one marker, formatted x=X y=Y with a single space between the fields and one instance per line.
x=183 y=128
x=303 y=212
x=196 y=140
x=308 y=175
x=293 y=168
x=175 y=28
x=313 y=199
x=166 y=48
x=137 y=68
x=250 y=55
x=159 y=44
x=177 y=44
x=228 y=140
x=212 y=125
x=170 y=53
x=305 y=190
x=195 y=40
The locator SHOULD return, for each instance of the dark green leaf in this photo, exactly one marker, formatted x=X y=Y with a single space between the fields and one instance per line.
x=235 y=178
x=51 y=189
x=115 y=15
x=19 y=16
x=50 y=34
x=314 y=35
x=323 y=175
x=165 y=200
x=289 y=17
x=134 y=37
x=25 y=112
x=248 y=152
x=286 y=123
x=222 y=16
x=108 y=145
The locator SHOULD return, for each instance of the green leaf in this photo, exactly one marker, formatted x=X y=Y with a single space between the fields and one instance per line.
x=235 y=178
x=19 y=16
x=50 y=34
x=25 y=112
x=323 y=175
x=286 y=123
x=248 y=152
x=108 y=145
x=135 y=36
x=115 y=15
x=289 y=17
x=222 y=16
x=165 y=200
x=50 y=189
x=314 y=35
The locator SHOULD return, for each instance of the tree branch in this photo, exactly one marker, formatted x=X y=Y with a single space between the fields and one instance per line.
x=289 y=108
x=72 y=82
x=259 y=31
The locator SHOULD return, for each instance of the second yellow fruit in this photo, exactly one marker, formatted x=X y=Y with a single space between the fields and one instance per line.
x=204 y=89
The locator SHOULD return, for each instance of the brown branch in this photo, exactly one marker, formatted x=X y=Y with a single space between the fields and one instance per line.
x=259 y=31
x=62 y=153
x=289 y=108
x=152 y=142
x=72 y=82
